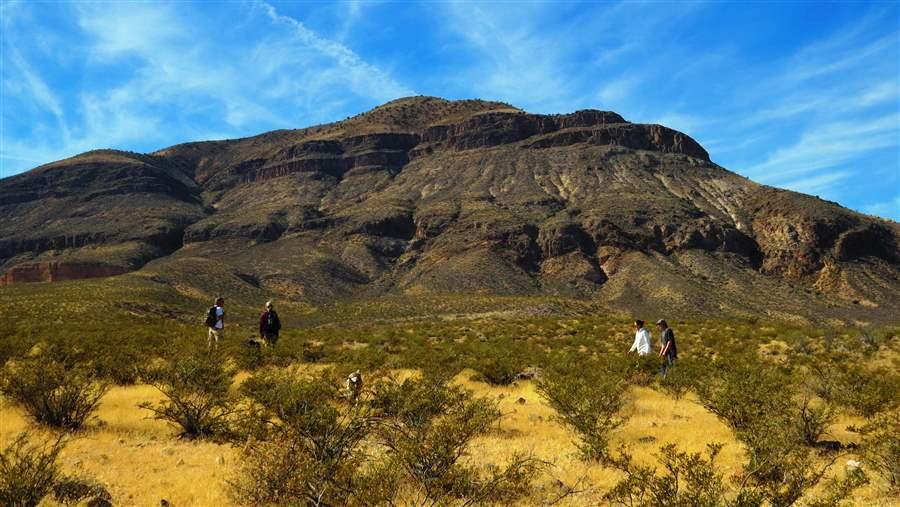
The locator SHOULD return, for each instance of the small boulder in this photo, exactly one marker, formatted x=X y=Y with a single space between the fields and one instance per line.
x=521 y=401
x=853 y=464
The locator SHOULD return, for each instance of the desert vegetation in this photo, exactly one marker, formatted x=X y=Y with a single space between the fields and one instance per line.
x=508 y=406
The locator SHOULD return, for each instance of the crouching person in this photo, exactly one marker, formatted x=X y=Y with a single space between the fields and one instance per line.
x=269 y=325
x=354 y=386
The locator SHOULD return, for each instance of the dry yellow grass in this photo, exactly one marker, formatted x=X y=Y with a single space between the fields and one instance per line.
x=138 y=459
x=141 y=461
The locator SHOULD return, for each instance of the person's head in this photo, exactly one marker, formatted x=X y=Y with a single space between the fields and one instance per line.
x=220 y=301
x=661 y=323
x=269 y=305
x=638 y=324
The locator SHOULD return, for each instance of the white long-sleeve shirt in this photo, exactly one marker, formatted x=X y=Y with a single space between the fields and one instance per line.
x=641 y=342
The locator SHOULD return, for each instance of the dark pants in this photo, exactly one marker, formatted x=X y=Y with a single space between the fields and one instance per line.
x=271 y=338
x=668 y=364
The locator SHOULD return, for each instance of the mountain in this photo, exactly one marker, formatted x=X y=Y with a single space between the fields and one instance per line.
x=423 y=195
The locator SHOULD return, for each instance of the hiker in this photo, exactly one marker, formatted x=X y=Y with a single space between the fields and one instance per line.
x=641 y=339
x=215 y=321
x=354 y=385
x=667 y=349
x=269 y=325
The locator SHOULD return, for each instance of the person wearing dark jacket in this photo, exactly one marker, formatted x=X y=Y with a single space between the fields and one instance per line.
x=269 y=325
x=667 y=349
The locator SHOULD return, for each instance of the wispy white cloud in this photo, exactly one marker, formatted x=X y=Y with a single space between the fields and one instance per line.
x=808 y=116
x=176 y=72
x=827 y=146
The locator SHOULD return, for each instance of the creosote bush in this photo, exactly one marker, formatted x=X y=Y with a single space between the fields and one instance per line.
x=588 y=397
x=52 y=392
x=814 y=417
x=756 y=403
x=197 y=391
x=28 y=471
x=427 y=429
x=304 y=442
x=688 y=479
x=881 y=447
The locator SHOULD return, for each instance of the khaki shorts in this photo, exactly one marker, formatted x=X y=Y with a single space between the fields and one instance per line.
x=216 y=334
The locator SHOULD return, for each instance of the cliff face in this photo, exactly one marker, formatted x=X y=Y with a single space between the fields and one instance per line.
x=26 y=272
x=423 y=194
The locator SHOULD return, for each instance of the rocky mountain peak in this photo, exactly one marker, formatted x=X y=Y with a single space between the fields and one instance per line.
x=424 y=194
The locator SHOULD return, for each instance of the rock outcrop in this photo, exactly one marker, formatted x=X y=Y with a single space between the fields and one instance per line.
x=423 y=194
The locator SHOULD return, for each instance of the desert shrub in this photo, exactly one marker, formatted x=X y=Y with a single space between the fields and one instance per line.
x=28 y=471
x=881 y=447
x=52 y=392
x=866 y=391
x=588 y=398
x=427 y=429
x=198 y=401
x=312 y=352
x=498 y=362
x=306 y=446
x=687 y=479
x=839 y=489
x=756 y=403
x=498 y=369
x=684 y=376
x=813 y=418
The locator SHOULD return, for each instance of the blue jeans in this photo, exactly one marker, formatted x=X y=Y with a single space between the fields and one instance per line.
x=668 y=364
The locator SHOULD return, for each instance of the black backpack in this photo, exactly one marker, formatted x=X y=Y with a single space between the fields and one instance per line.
x=273 y=325
x=211 y=317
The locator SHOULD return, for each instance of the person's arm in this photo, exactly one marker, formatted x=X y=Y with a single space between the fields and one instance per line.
x=637 y=342
x=665 y=348
x=262 y=323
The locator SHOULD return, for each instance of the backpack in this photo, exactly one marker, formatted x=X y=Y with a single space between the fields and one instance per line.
x=211 y=317
x=273 y=325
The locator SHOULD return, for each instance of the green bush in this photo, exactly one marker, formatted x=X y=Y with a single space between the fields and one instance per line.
x=881 y=447
x=28 y=471
x=756 y=403
x=686 y=480
x=814 y=417
x=867 y=391
x=51 y=392
x=306 y=447
x=588 y=398
x=498 y=370
x=427 y=429
x=684 y=376
x=197 y=391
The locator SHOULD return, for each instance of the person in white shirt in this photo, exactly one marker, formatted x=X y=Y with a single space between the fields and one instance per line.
x=641 y=339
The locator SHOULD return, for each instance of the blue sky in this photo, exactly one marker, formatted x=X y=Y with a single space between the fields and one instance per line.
x=799 y=95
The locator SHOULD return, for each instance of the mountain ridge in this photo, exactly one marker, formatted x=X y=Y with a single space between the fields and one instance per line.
x=426 y=195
